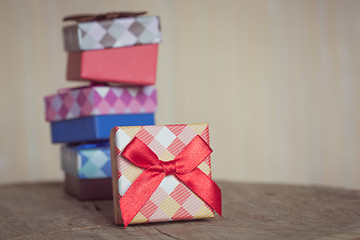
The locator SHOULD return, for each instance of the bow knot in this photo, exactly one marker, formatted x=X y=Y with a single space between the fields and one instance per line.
x=169 y=167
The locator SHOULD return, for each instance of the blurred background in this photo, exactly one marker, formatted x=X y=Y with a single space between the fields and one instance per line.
x=278 y=81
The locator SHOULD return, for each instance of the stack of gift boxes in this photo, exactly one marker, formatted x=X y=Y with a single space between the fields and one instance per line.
x=153 y=173
x=117 y=54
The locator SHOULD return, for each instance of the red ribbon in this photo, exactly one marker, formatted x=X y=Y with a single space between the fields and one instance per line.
x=184 y=167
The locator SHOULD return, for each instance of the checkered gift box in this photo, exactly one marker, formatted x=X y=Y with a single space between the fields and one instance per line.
x=172 y=199
x=88 y=161
x=113 y=33
x=100 y=100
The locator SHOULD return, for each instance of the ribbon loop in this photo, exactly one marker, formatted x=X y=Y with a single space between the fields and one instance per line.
x=169 y=167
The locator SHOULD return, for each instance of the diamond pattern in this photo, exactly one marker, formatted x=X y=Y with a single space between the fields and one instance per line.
x=176 y=147
x=172 y=200
x=169 y=206
x=182 y=214
x=192 y=204
x=169 y=184
x=126 y=97
x=165 y=137
x=121 y=32
x=149 y=209
x=141 y=98
x=136 y=28
x=97 y=31
x=180 y=194
x=111 y=98
x=100 y=100
x=107 y=40
x=86 y=163
x=116 y=29
x=80 y=99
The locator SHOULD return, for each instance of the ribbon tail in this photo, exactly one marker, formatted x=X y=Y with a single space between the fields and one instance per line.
x=204 y=187
x=138 y=193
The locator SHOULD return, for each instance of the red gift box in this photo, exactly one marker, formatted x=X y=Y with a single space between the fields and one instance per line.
x=134 y=65
x=162 y=173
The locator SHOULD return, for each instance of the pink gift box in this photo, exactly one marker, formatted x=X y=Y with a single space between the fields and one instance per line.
x=100 y=100
x=135 y=65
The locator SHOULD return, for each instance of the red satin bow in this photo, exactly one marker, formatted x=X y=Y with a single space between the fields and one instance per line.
x=184 y=167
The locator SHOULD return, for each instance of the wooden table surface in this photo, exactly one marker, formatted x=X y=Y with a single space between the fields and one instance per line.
x=250 y=211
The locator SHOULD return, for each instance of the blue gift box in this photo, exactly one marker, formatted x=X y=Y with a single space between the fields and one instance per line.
x=87 y=161
x=95 y=128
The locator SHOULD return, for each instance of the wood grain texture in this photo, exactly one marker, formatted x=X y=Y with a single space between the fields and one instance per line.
x=251 y=211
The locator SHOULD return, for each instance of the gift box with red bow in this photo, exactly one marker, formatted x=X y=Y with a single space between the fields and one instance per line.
x=162 y=173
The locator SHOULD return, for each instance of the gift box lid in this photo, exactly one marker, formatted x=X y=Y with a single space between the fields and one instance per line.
x=112 y=31
x=172 y=198
x=99 y=100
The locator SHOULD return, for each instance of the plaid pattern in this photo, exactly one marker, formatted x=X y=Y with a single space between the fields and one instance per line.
x=114 y=33
x=88 y=163
x=100 y=100
x=172 y=200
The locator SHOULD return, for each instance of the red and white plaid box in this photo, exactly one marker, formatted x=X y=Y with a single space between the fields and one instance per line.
x=172 y=198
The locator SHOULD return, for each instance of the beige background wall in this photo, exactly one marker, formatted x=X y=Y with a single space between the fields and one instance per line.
x=278 y=81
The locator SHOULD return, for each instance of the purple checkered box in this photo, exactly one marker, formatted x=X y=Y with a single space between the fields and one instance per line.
x=100 y=100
